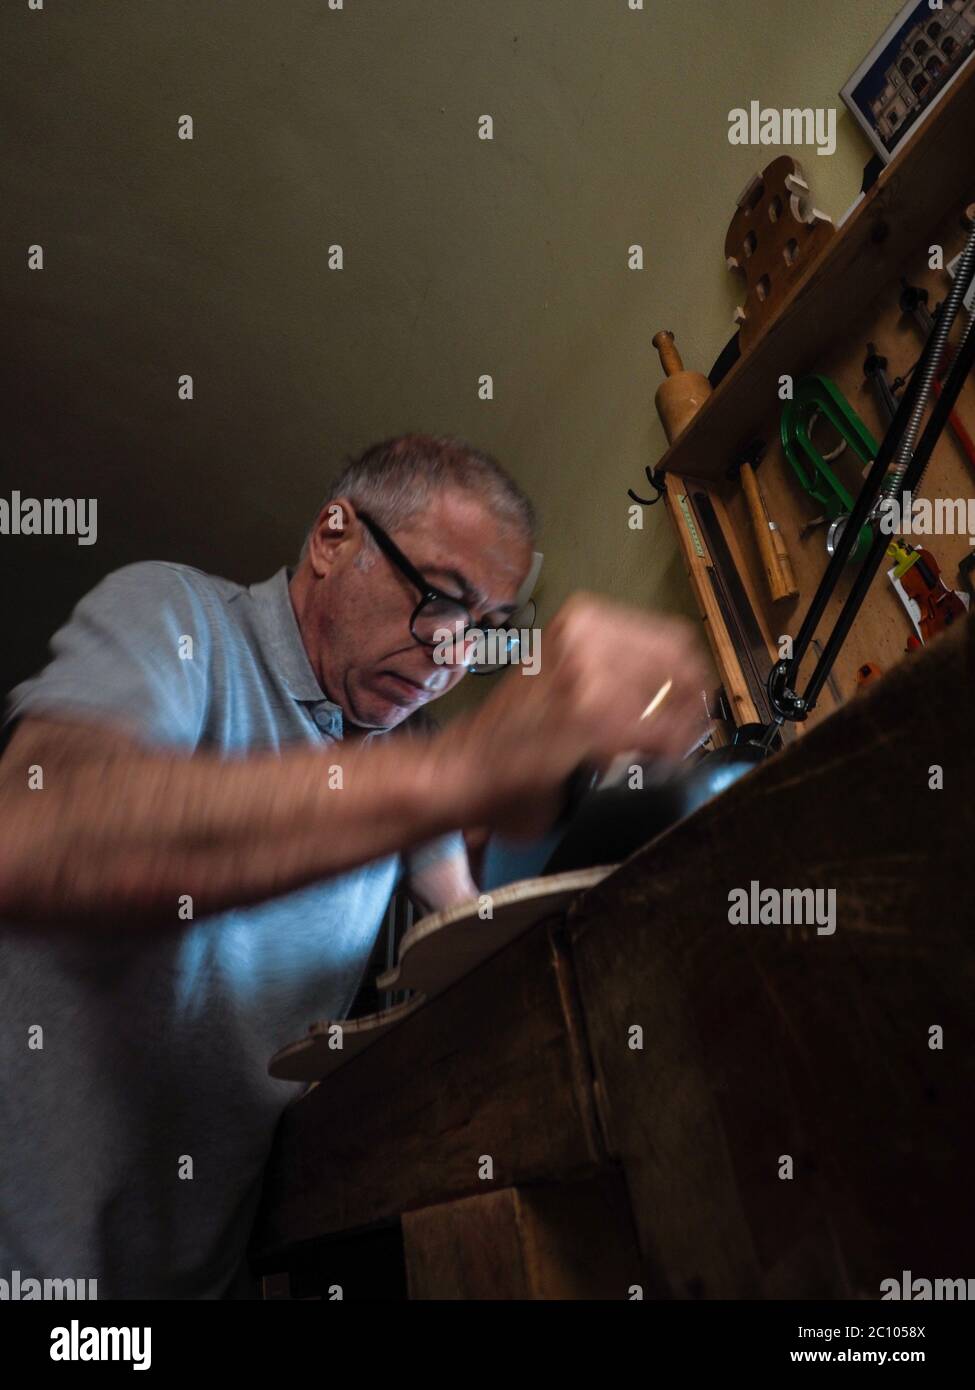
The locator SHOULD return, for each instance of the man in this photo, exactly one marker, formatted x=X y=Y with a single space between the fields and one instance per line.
x=205 y=809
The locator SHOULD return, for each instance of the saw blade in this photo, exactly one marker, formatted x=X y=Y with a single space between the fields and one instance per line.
x=737 y=611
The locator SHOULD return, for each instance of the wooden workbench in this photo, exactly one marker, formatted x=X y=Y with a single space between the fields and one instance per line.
x=618 y=1170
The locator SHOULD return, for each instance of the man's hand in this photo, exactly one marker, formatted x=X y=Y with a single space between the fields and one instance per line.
x=442 y=884
x=602 y=665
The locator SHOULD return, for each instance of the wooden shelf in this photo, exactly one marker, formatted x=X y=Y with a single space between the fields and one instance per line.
x=912 y=194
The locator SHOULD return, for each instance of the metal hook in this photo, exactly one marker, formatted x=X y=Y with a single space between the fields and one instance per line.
x=658 y=488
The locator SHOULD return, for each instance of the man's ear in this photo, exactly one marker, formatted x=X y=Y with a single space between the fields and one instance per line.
x=336 y=529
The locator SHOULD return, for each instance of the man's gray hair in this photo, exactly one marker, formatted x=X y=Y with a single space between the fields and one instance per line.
x=398 y=478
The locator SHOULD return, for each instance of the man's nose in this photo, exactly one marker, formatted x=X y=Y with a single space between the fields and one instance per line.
x=439 y=679
x=453 y=651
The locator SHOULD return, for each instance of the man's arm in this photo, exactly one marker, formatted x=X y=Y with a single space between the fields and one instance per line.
x=119 y=829
x=122 y=831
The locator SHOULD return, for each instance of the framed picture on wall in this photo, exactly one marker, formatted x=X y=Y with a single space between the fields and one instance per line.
x=909 y=70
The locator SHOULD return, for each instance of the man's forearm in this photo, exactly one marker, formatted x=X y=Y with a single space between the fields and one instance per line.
x=128 y=836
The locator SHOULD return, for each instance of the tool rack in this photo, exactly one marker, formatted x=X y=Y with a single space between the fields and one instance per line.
x=848 y=297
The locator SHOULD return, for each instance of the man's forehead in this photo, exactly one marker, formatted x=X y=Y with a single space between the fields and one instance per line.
x=461 y=536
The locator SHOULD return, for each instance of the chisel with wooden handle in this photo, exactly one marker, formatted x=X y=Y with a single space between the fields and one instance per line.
x=771 y=543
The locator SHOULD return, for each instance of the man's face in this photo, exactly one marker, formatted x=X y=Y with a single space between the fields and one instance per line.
x=354 y=606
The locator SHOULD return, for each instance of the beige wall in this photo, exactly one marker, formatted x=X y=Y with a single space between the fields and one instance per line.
x=462 y=256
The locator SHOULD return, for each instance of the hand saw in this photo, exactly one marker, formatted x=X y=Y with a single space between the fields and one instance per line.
x=735 y=607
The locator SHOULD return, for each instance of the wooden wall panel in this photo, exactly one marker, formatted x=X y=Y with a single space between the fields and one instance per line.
x=882 y=627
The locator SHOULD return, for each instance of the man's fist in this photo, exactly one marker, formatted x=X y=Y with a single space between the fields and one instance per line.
x=612 y=680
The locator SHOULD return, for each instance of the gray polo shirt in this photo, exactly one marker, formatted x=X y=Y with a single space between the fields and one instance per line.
x=132 y=1142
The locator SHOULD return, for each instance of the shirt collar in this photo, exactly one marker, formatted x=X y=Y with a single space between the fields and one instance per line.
x=286 y=652
x=282 y=637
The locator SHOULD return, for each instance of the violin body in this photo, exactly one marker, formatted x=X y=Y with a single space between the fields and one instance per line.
x=937 y=606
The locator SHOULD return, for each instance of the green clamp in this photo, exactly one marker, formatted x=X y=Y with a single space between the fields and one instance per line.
x=817 y=395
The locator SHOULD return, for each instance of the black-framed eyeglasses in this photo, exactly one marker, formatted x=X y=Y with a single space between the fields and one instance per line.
x=436 y=613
